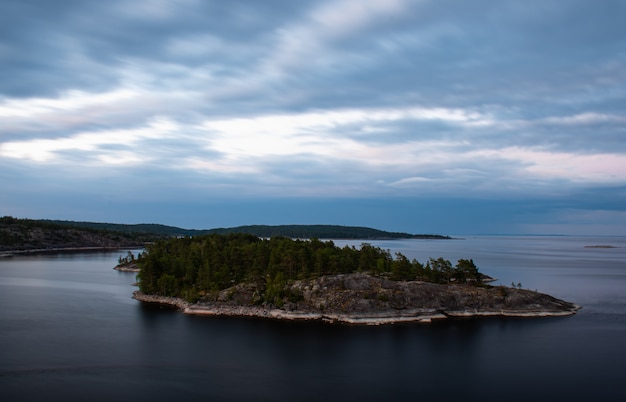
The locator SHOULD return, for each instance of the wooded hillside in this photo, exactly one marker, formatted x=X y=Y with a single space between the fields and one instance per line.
x=193 y=268
x=322 y=232
x=293 y=231
x=29 y=235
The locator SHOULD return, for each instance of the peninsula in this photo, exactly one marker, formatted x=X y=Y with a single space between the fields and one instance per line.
x=23 y=236
x=27 y=236
x=283 y=278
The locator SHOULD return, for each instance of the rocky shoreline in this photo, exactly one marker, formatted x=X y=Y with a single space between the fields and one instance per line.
x=217 y=310
x=368 y=300
x=127 y=267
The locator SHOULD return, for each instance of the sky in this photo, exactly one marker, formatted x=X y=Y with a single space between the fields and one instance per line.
x=448 y=117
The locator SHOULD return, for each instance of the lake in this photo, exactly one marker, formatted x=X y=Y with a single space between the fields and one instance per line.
x=69 y=330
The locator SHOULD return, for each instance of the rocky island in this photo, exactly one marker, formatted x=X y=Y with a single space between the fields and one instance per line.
x=282 y=278
x=364 y=299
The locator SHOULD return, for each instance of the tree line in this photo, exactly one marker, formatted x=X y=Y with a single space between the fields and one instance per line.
x=321 y=231
x=201 y=266
x=156 y=231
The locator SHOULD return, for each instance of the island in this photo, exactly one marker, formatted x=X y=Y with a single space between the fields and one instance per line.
x=309 y=279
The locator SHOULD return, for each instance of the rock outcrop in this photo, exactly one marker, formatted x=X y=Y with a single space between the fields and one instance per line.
x=364 y=299
x=130 y=266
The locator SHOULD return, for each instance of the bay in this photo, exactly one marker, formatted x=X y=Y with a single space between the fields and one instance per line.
x=69 y=330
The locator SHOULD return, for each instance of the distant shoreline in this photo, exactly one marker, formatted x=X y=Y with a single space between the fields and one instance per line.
x=69 y=250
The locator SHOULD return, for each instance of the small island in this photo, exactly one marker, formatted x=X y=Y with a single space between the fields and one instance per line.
x=295 y=279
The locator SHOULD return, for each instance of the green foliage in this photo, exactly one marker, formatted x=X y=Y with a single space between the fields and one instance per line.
x=130 y=258
x=202 y=266
x=275 y=289
x=167 y=285
x=466 y=271
x=402 y=269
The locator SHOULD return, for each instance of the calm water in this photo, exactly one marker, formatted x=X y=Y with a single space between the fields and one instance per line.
x=69 y=330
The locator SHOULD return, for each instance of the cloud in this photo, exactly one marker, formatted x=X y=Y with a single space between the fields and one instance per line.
x=544 y=165
x=325 y=25
x=495 y=100
x=95 y=145
x=266 y=151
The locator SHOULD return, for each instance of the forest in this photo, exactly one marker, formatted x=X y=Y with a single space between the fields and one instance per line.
x=295 y=231
x=31 y=235
x=199 y=267
x=322 y=232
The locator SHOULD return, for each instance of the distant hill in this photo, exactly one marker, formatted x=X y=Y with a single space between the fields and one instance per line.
x=322 y=232
x=293 y=231
x=33 y=235
x=29 y=234
x=147 y=228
